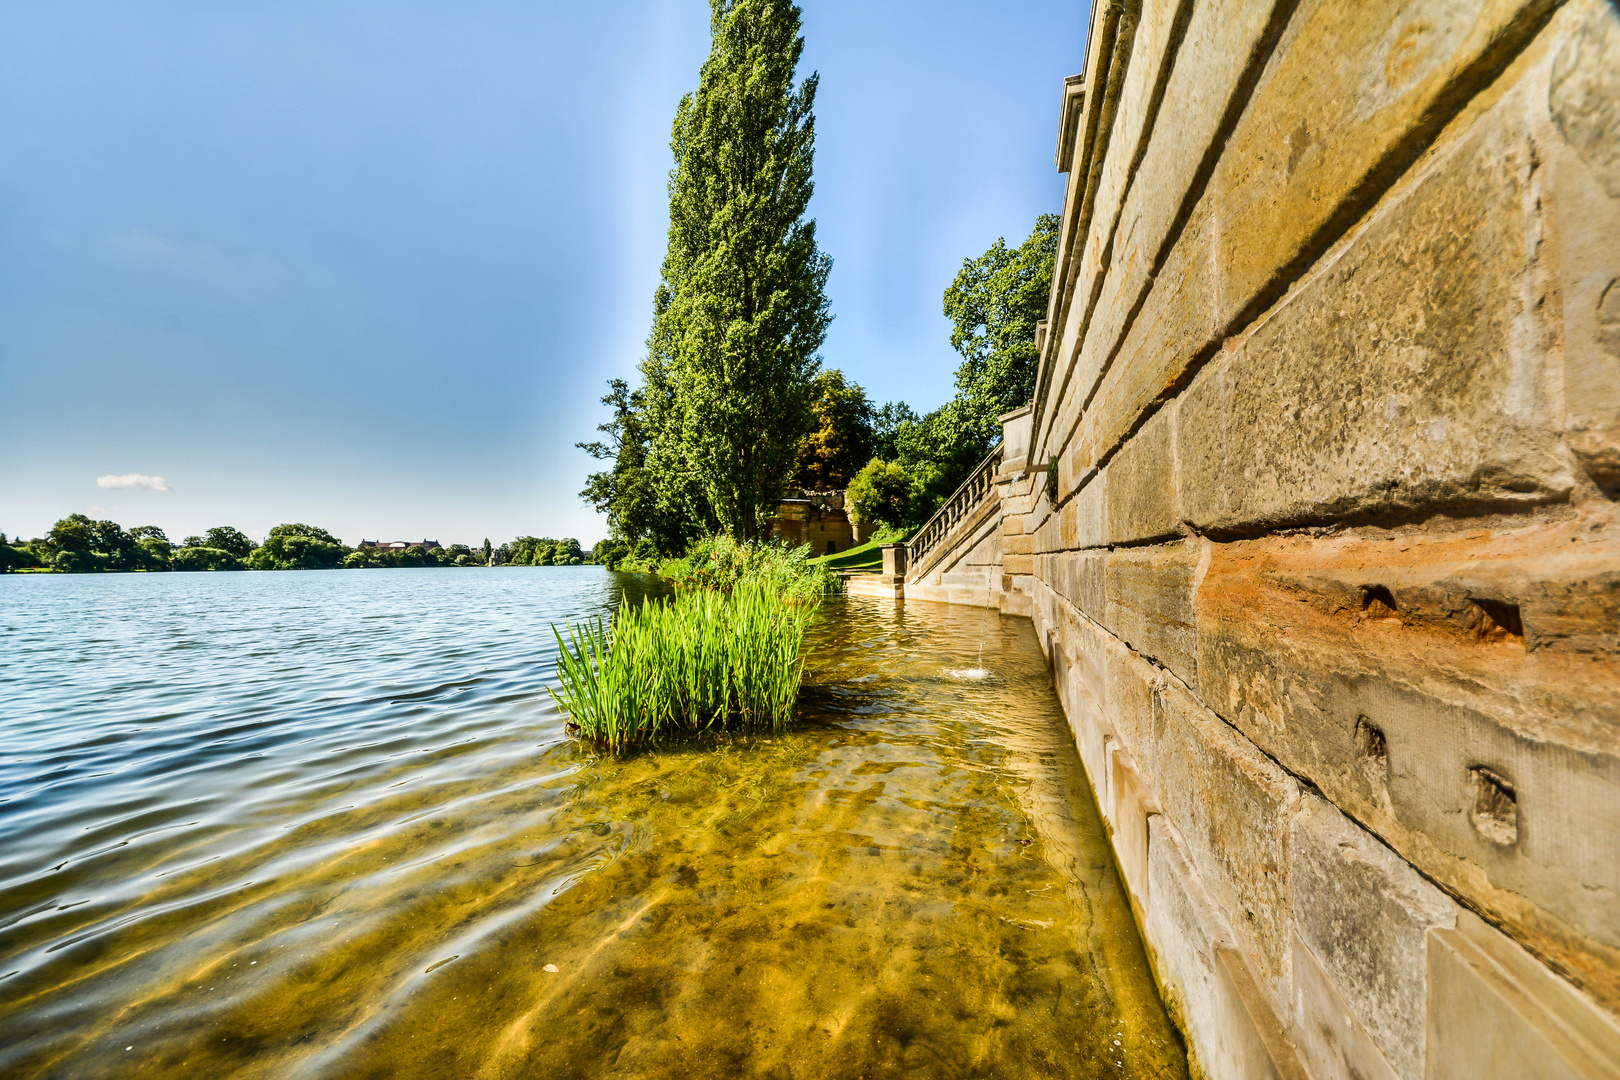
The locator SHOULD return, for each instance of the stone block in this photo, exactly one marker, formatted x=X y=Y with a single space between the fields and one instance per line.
x=1080 y=690
x=1408 y=373
x=1089 y=570
x=1177 y=323
x=1331 y=1041
x=1017 y=545
x=1150 y=604
x=1129 y=804
x=1495 y=1011
x=1317 y=137
x=1364 y=913
x=1150 y=38
x=1130 y=684
x=1017 y=564
x=1142 y=484
x=1232 y=808
x=1583 y=98
x=1084 y=516
x=1484 y=751
x=1223 y=39
x=1210 y=994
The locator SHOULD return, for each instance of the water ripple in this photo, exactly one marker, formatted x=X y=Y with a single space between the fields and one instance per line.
x=319 y=824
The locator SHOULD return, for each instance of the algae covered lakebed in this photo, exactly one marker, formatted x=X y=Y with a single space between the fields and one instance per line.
x=329 y=825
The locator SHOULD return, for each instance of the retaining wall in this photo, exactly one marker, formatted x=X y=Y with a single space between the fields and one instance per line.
x=1330 y=582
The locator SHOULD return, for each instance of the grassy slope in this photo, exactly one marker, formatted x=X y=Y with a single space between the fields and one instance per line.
x=869 y=556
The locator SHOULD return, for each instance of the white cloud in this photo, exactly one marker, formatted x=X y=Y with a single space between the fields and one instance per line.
x=134 y=482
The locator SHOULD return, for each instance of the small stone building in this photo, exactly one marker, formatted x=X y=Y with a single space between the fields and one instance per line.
x=817 y=518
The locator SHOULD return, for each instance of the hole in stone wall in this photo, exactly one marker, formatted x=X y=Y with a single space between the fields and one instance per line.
x=1377 y=602
x=1371 y=750
x=1496 y=808
x=1499 y=623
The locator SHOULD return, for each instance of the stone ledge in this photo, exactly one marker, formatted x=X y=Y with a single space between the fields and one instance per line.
x=1495 y=1011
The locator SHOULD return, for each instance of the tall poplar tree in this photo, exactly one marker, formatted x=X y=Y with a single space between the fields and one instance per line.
x=742 y=308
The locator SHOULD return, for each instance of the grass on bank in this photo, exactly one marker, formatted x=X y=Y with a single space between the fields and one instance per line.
x=702 y=660
x=868 y=556
x=719 y=562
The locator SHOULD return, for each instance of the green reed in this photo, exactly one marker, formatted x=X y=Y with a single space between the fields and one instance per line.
x=719 y=562
x=697 y=661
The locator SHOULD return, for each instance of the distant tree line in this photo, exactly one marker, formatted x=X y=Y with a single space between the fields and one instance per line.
x=76 y=544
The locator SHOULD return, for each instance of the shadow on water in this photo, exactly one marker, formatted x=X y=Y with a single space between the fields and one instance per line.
x=385 y=863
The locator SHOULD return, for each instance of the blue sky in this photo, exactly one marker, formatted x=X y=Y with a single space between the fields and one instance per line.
x=368 y=265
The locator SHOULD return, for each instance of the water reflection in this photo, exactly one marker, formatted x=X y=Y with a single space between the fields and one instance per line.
x=323 y=848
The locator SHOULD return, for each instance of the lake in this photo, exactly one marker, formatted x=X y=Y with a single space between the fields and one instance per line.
x=322 y=824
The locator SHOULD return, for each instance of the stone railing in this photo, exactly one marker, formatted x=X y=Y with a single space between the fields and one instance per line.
x=979 y=486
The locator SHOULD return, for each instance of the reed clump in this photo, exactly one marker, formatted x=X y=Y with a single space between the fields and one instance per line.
x=700 y=660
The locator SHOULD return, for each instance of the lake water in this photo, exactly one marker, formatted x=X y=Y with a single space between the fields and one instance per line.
x=328 y=824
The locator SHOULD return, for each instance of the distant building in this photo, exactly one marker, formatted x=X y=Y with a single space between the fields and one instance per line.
x=817 y=518
x=398 y=545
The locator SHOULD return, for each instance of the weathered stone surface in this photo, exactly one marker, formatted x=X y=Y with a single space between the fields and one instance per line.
x=1583 y=96
x=1184 y=934
x=1315 y=133
x=1436 y=185
x=1177 y=323
x=1495 y=1011
x=1085 y=516
x=1331 y=1040
x=1232 y=808
x=1129 y=804
x=1221 y=43
x=1079 y=685
x=1150 y=604
x=1078 y=577
x=1130 y=683
x=1408 y=721
x=1410 y=372
x=1142 y=484
x=1365 y=913
x=1150 y=36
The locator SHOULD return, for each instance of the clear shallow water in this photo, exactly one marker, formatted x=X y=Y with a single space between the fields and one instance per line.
x=328 y=824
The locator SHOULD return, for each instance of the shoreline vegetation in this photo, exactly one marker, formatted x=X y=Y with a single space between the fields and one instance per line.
x=78 y=545
x=723 y=652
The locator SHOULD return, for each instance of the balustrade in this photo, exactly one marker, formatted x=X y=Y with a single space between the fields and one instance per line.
x=979 y=484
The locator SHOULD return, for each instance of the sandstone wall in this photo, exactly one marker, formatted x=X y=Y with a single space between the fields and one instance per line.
x=1331 y=579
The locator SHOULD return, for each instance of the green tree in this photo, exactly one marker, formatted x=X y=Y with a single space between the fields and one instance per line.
x=886 y=423
x=205 y=558
x=880 y=492
x=78 y=545
x=153 y=550
x=637 y=503
x=993 y=305
x=226 y=538
x=742 y=309
x=938 y=452
x=841 y=441
x=298 y=547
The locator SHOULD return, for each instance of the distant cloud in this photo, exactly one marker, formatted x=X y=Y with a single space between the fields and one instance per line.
x=134 y=482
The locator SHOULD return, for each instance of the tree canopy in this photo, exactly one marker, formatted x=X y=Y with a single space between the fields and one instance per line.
x=840 y=443
x=993 y=305
x=741 y=310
